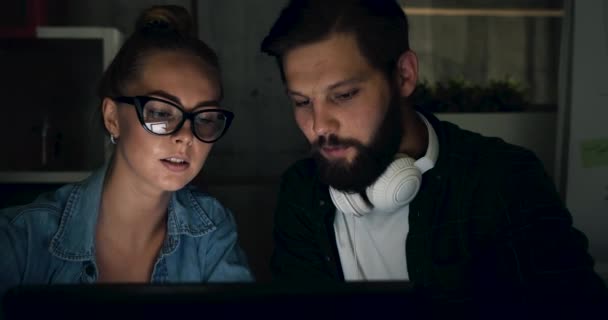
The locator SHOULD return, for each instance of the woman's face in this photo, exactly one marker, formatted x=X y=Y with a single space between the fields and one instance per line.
x=169 y=162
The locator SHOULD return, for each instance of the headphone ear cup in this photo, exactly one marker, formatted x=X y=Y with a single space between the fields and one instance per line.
x=397 y=187
x=351 y=203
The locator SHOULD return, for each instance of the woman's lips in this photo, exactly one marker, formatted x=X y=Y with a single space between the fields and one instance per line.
x=175 y=165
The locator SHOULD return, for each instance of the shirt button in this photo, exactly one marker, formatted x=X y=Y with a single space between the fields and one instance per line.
x=328 y=258
x=321 y=203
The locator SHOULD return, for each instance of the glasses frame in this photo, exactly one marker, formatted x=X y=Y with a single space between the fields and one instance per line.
x=140 y=101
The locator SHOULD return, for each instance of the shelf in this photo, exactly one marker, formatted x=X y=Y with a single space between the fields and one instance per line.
x=511 y=12
x=42 y=177
x=111 y=37
x=50 y=55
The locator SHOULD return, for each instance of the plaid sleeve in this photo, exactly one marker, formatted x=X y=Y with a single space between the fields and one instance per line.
x=538 y=256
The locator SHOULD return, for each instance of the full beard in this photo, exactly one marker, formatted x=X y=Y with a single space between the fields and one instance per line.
x=369 y=162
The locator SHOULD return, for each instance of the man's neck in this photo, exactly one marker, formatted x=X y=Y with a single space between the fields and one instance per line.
x=415 y=138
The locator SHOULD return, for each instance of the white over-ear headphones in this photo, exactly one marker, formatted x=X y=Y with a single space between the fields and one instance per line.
x=396 y=187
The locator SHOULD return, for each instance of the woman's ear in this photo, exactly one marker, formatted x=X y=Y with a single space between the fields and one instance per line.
x=407 y=73
x=109 y=111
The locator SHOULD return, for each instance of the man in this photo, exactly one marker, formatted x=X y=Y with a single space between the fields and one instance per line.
x=390 y=192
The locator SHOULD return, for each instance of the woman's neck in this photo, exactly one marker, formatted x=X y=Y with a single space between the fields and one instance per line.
x=131 y=211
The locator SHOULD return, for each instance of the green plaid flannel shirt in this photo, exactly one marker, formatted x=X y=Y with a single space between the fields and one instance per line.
x=487 y=224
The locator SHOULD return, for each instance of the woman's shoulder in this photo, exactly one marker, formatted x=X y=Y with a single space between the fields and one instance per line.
x=44 y=211
x=33 y=224
x=199 y=209
x=199 y=197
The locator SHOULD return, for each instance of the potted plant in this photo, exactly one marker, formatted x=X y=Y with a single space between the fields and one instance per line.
x=499 y=108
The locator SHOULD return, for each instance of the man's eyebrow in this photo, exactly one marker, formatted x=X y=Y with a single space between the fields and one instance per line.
x=172 y=98
x=295 y=93
x=349 y=81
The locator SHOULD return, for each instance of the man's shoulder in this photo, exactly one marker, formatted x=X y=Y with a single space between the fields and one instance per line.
x=301 y=175
x=300 y=186
x=302 y=169
x=501 y=181
x=485 y=153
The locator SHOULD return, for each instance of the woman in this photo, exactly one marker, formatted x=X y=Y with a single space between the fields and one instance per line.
x=135 y=219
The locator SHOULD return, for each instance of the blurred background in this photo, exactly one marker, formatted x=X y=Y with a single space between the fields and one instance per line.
x=526 y=71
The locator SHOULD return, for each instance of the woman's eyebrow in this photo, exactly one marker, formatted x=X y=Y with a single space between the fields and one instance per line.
x=165 y=95
x=210 y=103
x=170 y=97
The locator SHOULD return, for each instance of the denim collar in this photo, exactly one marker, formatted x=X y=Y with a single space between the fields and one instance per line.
x=75 y=237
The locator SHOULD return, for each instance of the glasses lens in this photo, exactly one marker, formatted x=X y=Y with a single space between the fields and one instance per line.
x=210 y=125
x=161 y=117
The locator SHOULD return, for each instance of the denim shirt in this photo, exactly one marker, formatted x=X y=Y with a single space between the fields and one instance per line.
x=52 y=240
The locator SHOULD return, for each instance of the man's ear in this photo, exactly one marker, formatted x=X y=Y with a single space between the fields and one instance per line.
x=109 y=111
x=407 y=73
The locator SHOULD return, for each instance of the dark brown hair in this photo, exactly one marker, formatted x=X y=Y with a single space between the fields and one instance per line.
x=380 y=26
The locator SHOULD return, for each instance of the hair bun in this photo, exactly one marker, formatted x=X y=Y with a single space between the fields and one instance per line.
x=166 y=18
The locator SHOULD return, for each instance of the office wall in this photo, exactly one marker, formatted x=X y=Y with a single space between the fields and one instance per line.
x=583 y=130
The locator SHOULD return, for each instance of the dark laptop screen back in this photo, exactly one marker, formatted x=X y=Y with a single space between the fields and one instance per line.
x=265 y=301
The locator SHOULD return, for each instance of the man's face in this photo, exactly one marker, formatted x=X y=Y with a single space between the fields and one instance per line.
x=347 y=110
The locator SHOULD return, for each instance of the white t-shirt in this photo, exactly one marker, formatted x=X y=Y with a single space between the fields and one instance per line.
x=372 y=246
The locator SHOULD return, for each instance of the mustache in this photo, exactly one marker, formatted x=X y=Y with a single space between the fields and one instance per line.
x=333 y=141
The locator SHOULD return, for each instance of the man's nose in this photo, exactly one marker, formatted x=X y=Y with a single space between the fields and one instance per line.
x=324 y=121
